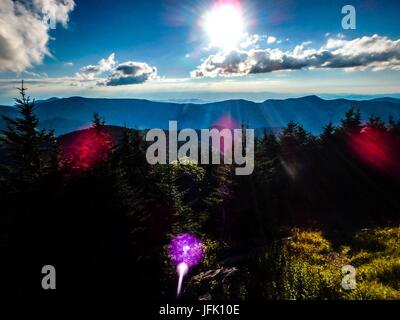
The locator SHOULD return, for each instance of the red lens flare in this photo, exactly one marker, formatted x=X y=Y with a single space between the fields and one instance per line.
x=378 y=149
x=86 y=149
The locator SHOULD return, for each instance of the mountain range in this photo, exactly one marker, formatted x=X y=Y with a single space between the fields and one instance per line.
x=70 y=114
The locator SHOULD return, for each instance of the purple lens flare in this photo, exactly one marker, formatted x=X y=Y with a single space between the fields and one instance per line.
x=186 y=248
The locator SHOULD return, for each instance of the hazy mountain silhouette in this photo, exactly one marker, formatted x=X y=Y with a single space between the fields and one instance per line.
x=70 y=114
x=393 y=100
x=47 y=100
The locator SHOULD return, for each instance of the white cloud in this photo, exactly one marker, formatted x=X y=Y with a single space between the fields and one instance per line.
x=35 y=75
x=91 y=71
x=271 y=40
x=68 y=64
x=253 y=41
x=59 y=8
x=250 y=41
x=24 y=36
x=375 y=53
x=32 y=74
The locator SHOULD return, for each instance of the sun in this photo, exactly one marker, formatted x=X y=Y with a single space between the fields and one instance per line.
x=224 y=26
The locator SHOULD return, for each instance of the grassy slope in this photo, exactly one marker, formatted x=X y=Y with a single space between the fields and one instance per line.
x=308 y=267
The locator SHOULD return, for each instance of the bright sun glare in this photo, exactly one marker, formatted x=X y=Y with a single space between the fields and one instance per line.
x=224 y=26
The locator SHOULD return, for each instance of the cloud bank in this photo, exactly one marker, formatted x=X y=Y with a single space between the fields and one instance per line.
x=365 y=53
x=24 y=35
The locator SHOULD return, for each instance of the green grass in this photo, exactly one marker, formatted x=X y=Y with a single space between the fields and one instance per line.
x=307 y=267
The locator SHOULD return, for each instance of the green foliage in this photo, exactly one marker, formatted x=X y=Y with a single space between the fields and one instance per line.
x=374 y=291
x=212 y=248
x=305 y=266
x=376 y=255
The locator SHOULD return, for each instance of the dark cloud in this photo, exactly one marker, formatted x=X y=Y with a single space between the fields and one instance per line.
x=130 y=73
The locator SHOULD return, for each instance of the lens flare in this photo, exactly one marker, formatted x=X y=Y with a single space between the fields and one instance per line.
x=185 y=250
x=182 y=270
x=226 y=122
x=85 y=149
x=378 y=149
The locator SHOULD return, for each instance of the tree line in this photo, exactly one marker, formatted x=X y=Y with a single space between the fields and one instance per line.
x=103 y=216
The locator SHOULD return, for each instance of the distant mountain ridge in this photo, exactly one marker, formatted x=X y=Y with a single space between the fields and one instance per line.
x=69 y=114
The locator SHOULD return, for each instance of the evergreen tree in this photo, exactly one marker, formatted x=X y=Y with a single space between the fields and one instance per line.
x=270 y=145
x=99 y=141
x=30 y=148
x=130 y=157
x=352 y=122
x=393 y=126
x=97 y=122
x=294 y=139
x=375 y=122
x=327 y=134
x=54 y=158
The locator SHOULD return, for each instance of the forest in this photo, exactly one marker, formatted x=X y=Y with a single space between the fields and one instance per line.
x=90 y=204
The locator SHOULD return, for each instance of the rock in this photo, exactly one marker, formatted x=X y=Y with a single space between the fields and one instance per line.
x=206 y=297
x=213 y=284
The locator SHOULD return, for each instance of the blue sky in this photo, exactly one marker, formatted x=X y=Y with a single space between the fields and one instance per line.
x=163 y=49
